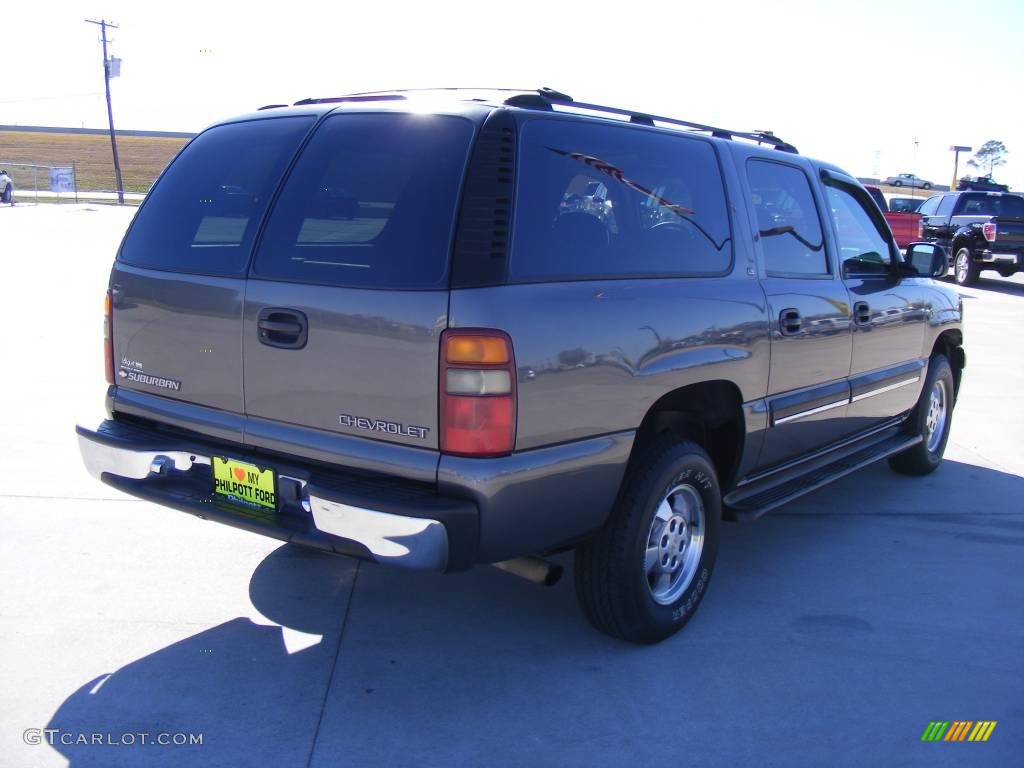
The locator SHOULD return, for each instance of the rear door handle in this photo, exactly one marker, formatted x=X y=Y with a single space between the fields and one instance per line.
x=790 y=322
x=282 y=328
x=861 y=313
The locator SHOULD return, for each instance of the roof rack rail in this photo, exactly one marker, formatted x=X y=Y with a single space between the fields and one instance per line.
x=383 y=96
x=547 y=98
x=396 y=94
x=270 y=106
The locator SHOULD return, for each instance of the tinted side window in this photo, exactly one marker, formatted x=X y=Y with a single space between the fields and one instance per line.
x=863 y=247
x=787 y=220
x=946 y=205
x=597 y=200
x=370 y=203
x=928 y=206
x=203 y=214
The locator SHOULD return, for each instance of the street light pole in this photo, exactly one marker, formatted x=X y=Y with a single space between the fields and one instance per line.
x=913 y=185
x=956 y=163
x=110 y=112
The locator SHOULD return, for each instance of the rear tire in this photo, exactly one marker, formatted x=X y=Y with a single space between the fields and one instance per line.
x=897 y=183
x=643 y=575
x=926 y=186
x=965 y=270
x=931 y=419
x=7 y=194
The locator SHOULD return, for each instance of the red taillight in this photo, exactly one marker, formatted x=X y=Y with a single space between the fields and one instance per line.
x=990 y=231
x=108 y=339
x=477 y=393
x=920 y=229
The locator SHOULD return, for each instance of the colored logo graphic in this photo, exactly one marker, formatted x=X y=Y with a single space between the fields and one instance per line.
x=958 y=730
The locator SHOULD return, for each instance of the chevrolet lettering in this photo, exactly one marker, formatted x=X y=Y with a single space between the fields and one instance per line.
x=377 y=425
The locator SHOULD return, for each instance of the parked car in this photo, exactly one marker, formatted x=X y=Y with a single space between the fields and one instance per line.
x=905 y=204
x=981 y=183
x=979 y=230
x=907 y=180
x=905 y=226
x=490 y=376
x=6 y=188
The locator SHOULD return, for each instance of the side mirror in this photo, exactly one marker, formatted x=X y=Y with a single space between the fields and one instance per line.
x=927 y=259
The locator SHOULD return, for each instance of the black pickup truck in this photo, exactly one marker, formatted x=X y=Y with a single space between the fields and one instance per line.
x=981 y=184
x=979 y=230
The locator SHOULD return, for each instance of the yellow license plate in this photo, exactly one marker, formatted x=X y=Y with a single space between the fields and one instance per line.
x=245 y=483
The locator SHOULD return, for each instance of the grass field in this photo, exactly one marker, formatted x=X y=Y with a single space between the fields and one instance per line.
x=142 y=158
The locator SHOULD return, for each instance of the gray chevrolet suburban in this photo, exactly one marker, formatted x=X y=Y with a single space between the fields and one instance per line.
x=456 y=327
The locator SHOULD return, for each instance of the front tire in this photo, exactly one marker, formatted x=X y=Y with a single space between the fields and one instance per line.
x=643 y=575
x=7 y=194
x=926 y=186
x=931 y=419
x=965 y=270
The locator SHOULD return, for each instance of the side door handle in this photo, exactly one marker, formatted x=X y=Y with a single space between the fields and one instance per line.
x=862 y=313
x=282 y=328
x=790 y=322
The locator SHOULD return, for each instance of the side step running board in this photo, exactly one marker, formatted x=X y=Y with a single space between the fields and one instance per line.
x=751 y=501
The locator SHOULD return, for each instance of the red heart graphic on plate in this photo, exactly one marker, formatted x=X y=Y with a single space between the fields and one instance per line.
x=239 y=473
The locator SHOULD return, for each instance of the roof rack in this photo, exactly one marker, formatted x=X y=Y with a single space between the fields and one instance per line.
x=397 y=94
x=382 y=96
x=546 y=98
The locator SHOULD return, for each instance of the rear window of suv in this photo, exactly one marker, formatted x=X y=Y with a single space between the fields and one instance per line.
x=596 y=201
x=202 y=215
x=370 y=203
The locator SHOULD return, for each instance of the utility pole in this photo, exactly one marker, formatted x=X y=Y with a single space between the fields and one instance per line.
x=110 y=112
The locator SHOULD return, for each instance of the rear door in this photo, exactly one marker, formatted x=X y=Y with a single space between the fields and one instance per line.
x=809 y=311
x=178 y=285
x=936 y=219
x=348 y=293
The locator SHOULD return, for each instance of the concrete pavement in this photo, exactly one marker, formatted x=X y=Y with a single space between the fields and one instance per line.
x=834 y=631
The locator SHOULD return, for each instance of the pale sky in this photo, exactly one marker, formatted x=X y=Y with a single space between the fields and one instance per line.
x=854 y=83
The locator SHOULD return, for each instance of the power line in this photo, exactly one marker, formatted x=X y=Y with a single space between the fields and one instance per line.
x=103 y=24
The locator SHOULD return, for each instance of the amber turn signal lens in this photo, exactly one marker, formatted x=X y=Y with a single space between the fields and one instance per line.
x=486 y=350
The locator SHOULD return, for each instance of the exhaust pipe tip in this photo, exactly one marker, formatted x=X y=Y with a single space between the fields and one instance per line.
x=532 y=568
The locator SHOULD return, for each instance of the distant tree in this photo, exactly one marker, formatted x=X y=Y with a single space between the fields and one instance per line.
x=991 y=154
x=570 y=358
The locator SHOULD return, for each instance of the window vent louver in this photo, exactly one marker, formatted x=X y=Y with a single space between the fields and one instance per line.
x=485 y=216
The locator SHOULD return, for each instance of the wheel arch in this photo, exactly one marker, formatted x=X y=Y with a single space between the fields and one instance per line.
x=950 y=343
x=961 y=238
x=709 y=413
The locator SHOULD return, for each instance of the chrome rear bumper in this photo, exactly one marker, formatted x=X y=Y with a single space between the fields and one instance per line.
x=177 y=476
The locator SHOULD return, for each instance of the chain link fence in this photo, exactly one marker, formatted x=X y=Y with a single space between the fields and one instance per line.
x=31 y=182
